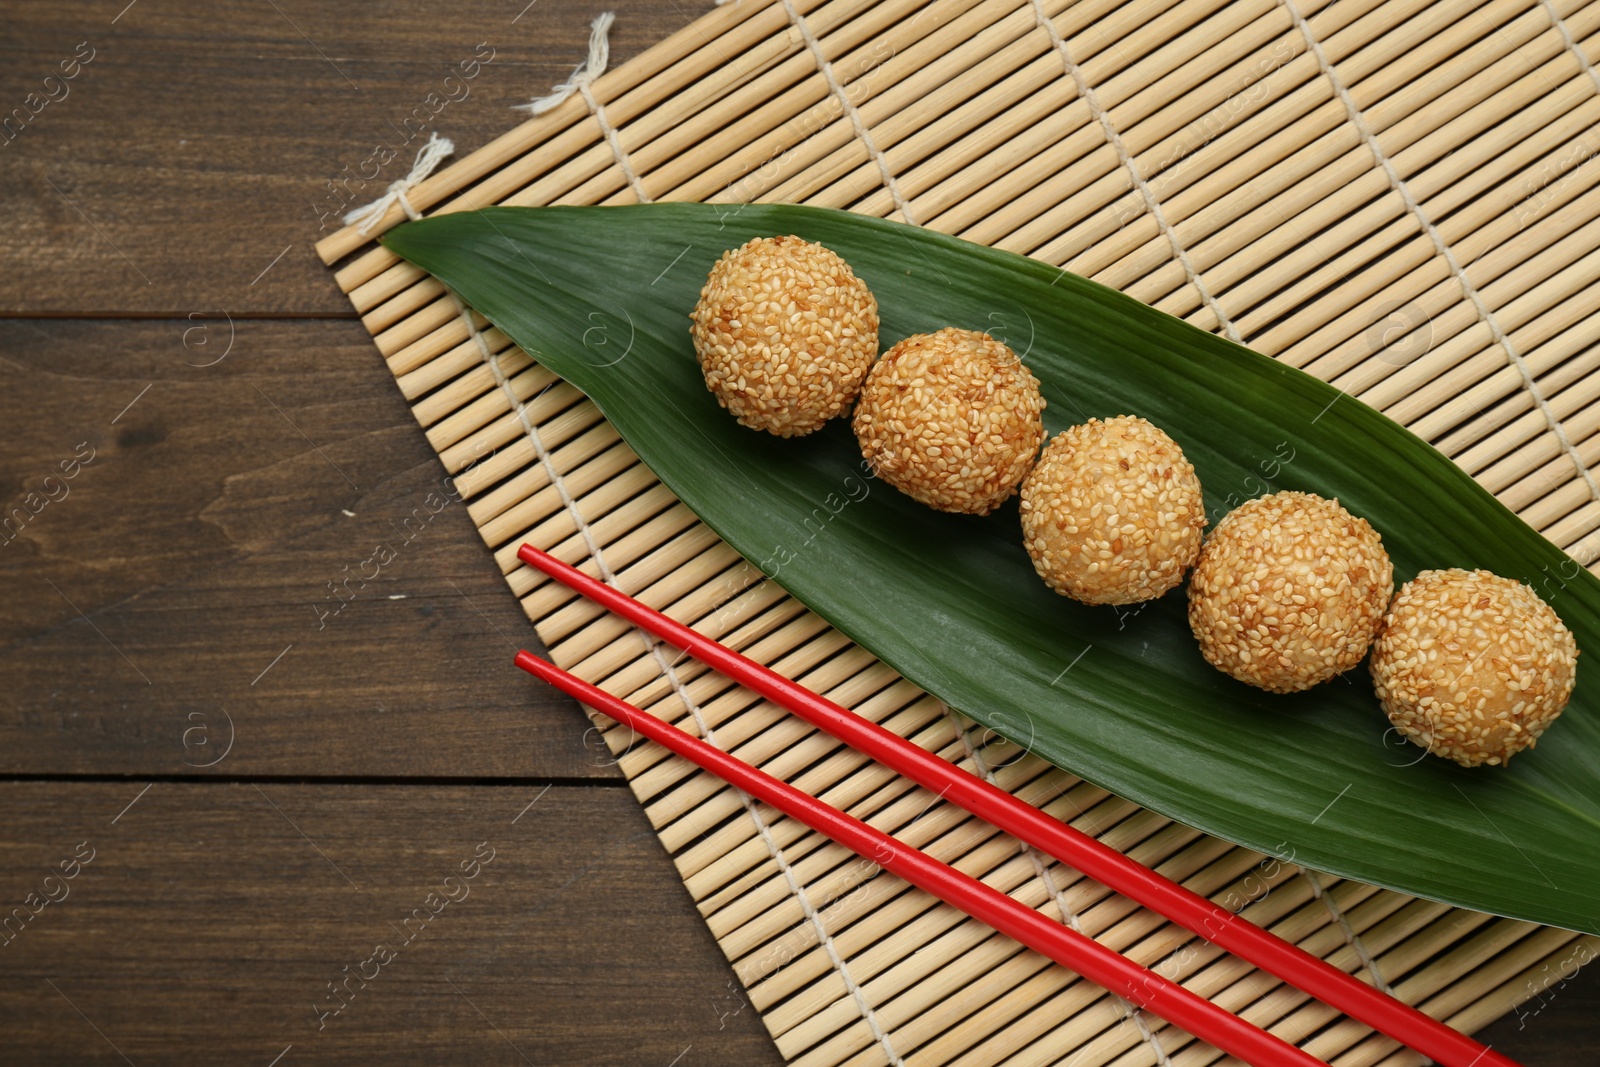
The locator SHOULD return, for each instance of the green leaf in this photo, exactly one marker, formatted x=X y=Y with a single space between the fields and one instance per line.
x=1120 y=697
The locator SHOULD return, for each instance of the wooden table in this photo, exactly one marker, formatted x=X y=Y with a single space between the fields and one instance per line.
x=253 y=796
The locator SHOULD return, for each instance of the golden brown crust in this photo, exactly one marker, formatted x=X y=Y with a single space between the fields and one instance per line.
x=1289 y=591
x=952 y=419
x=785 y=332
x=1472 y=666
x=1112 y=513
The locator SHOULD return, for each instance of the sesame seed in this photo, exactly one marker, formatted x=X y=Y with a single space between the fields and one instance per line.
x=1088 y=519
x=773 y=366
x=1320 y=616
x=961 y=414
x=1462 y=700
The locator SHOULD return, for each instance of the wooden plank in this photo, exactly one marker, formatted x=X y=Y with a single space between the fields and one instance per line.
x=181 y=579
x=189 y=151
x=212 y=917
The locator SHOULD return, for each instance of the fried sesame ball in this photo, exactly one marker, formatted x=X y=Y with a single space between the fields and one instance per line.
x=1472 y=666
x=1289 y=591
x=951 y=418
x=785 y=332
x=1112 y=512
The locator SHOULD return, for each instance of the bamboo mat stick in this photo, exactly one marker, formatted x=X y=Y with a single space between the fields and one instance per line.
x=957 y=49
x=1356 y=157
x=1014 y=124
x=1501 y=399
x=1133 y=133
x=745 y=909
x=1502 y=381
x=1289 y=910
x=1513 y=313
x=500 y=457
x=1116 y=920
x=1475 y=1002
x=483 y=465
x=1458 y=223
x=484 y=446
x=1013 y=982
x=544 y=394
x=1572 y=385
x=434 y=326
x=1449 y=366
x=990 y=1035
x=1277 y=1008
x=796 y=65
x=1456 y=336
x=926 y=74
x=950 y=834
x=731 y=25
x=1079 y=1018
x=773 y=129
x=720 y=125
x=1550 y=468
x=588 y=472
x=884 y=978
x=765 y=62
x=457 y=393
x=449 y=365
x=1104 y=31
x=1028 y=94
x=513 y=504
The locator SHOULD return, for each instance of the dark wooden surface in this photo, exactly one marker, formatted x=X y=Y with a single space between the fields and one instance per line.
x=269 y=794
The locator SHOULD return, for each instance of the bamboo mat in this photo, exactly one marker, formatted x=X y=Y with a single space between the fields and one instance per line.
x=1399 y=197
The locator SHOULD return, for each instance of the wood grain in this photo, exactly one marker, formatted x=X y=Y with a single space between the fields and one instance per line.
x=146 y=605
x=212 y=917
x=193 y=149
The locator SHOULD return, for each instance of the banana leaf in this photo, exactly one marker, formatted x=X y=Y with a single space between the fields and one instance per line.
x=1120 y=697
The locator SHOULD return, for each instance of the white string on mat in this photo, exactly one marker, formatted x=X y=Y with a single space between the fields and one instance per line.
x=864 y=135
x=1529 y=380
x=1351 y=938
x=1134 y=174
x=580 y=81
x=1566 y=37
x=1130 y=1011
x=429 y=156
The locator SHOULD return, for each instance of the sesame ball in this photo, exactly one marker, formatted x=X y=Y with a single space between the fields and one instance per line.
x=952 y=419
x=1289 y=591
x=785 y=332
x=1472 y=666
x=1112 y=512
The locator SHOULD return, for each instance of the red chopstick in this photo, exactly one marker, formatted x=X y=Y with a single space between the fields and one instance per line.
x=1188 y=909
x=1066 y=946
